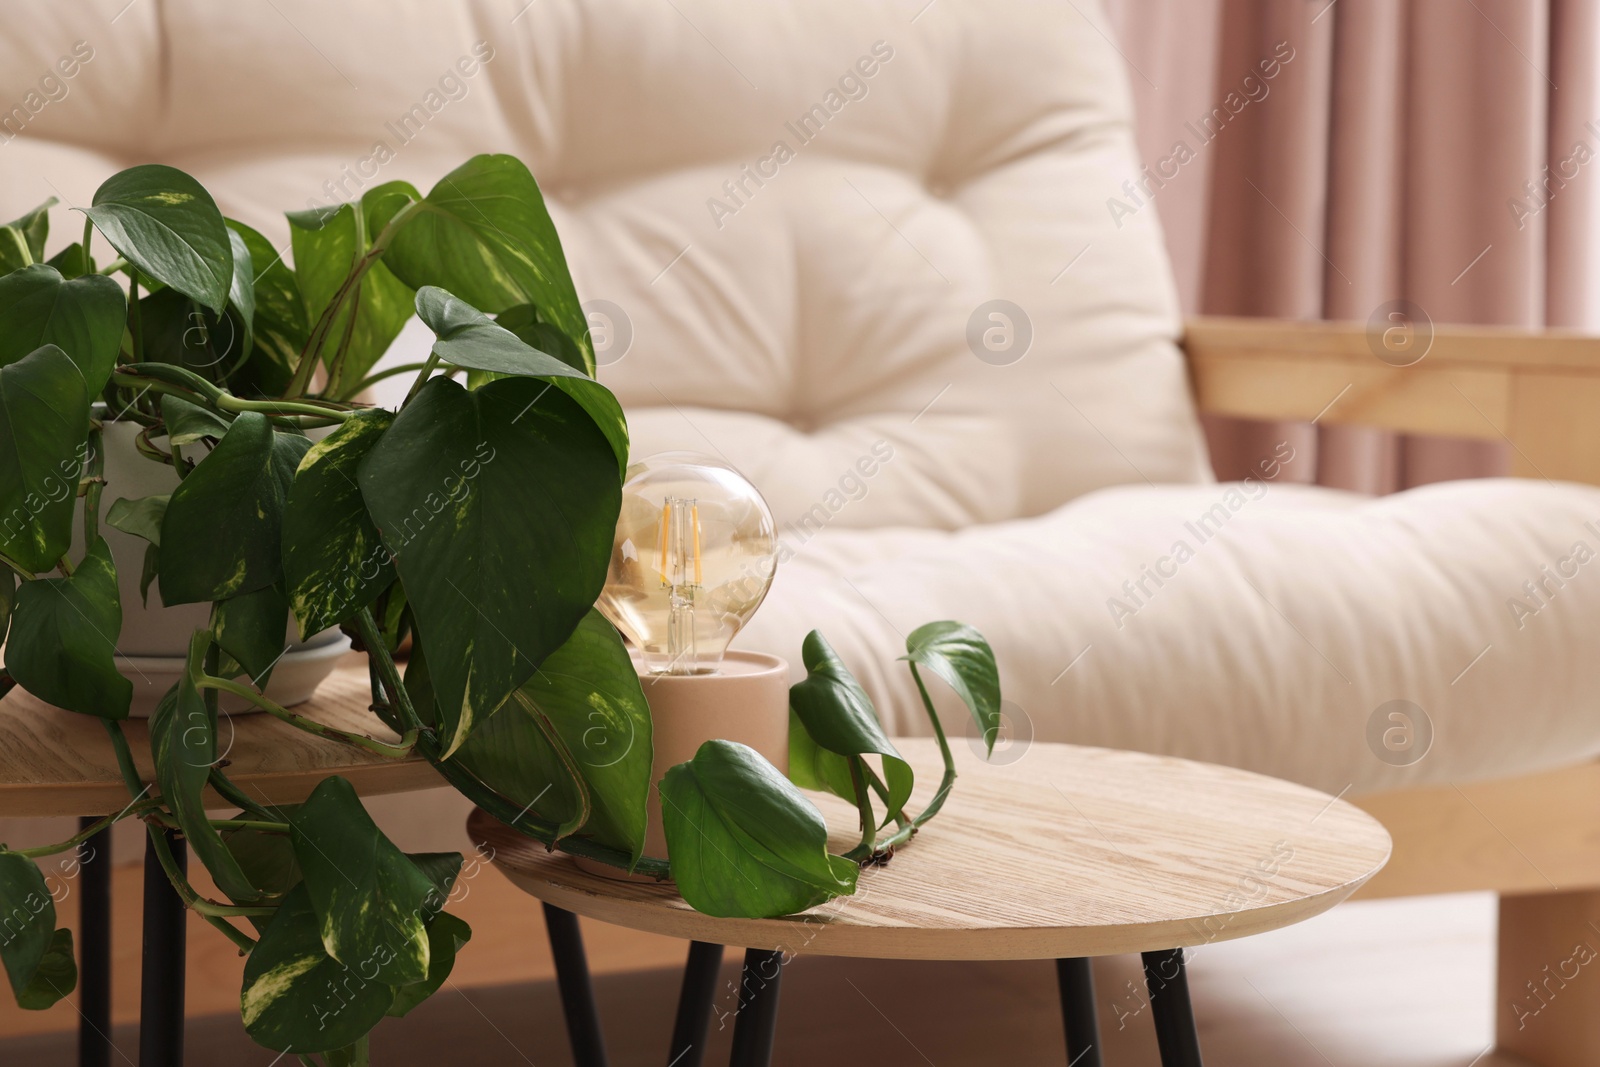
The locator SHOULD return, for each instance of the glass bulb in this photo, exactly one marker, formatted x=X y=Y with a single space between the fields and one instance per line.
x=695 y=551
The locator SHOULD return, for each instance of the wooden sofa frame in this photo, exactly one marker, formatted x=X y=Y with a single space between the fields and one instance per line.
x=1534 y=840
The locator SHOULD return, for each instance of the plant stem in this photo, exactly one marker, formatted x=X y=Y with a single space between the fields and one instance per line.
x=88 y=236
x=869 y=823
x=389 y=674
x=130 y=773
x=945 y=784
x=264 y=826
x=312 y=351
x=110 y=268
x=388 y=372
x=388 y=751
x=79 y=838
x=97 y=484
x=218 y=399
x=191 y=899
x=336 y=365
x=236 y=796
x=422 y=377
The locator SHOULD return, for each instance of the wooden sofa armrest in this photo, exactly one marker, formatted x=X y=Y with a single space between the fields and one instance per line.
x=1537 y=390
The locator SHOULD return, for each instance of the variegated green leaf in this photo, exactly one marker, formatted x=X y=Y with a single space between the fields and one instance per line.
x=499 y=506
x=221 y=533
x=63 y=639
x=296 y=996
x=333 y=559
x=183 y=746
x=370 y=898
x=28 y=915
x=44 y=420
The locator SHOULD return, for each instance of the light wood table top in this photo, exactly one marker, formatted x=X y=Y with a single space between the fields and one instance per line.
x=1069 y=851
x=55 y=762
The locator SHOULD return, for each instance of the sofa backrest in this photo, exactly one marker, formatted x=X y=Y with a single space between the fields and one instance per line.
x=866 y=251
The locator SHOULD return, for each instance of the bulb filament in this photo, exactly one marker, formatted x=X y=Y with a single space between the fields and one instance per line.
x=679 y=559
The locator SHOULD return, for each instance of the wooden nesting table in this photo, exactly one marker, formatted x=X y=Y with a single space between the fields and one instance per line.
x=55 y=762
x=1066 y=853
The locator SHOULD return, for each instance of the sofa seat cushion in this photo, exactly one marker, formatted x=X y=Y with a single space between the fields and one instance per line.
x=1262 y=625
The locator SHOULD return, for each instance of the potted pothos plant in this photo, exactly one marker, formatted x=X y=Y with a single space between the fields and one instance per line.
x=475 y=520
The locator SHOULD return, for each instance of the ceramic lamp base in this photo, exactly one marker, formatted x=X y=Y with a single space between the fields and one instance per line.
x=746 y=700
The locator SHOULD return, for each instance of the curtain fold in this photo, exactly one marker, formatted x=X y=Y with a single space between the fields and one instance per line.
x=1361 y=152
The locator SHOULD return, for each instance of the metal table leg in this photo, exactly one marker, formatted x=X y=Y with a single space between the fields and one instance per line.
x=161 y=979
x=757 y=1023
x=1168 y=984
x=688 y=1048
x=1076 y=980
x=94 y=948
x=577 y=992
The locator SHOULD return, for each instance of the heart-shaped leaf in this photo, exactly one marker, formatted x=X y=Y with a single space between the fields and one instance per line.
x=838 y=715
x=141 y=517
x=744 y=841
x=187 y=423
x=589 y=691
x=183 y=747
x=333 y=559
x=30 y=919
x=83 y=317
x=296 y=996
x=35 y=228
x=469 y=338
x=957 y=653
x=369 y=897
x=166 y=224
x=56 y=976
x=484 y=234
x=267 y=859
x=44 y=423
x=64 y=639
x=221 y=534
x=499 y=506
x=251 y=627
x=327 y=246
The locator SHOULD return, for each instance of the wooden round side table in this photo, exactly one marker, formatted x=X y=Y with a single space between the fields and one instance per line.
x=1065 y=854
x=55 y=762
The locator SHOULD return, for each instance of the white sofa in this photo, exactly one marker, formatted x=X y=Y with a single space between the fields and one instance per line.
x=797 y=216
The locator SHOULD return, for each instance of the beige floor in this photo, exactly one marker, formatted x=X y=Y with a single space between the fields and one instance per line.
x=1371 y=984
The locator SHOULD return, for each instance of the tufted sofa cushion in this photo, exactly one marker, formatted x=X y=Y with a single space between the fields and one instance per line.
x=794 y=210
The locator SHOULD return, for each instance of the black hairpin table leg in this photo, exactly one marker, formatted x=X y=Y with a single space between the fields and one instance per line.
x=688 y=1048
x=1076 y=979
x=577 y=992
x=161 y=980
x=1168 y=985
x=94 y=948
x=757 y=1023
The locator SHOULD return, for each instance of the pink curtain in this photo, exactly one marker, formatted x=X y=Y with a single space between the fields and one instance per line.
x=1355 y=152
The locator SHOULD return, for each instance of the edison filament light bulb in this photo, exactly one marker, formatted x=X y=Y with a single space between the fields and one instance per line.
x=695 y=552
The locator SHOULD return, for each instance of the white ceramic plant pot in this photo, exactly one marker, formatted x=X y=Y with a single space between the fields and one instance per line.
x=154 y=639
x=745 y=700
